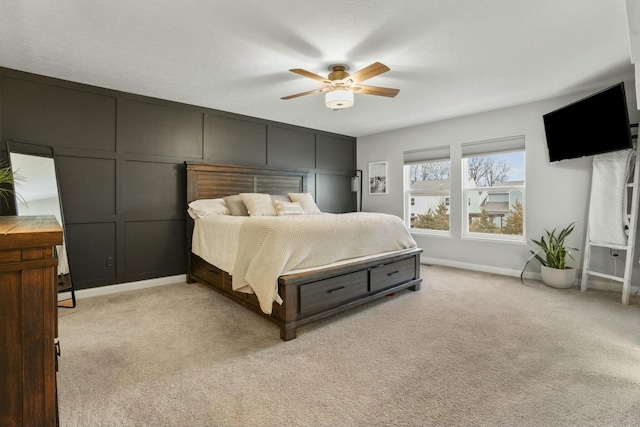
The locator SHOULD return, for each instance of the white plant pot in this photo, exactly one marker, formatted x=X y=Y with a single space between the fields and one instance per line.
x=561 y=279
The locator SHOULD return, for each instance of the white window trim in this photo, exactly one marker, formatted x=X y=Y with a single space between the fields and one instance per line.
x=501 y=238
x=430 y=233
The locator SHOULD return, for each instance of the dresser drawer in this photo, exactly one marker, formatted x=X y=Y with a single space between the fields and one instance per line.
x=328 y=293
x=13 y=255
x=387 y=275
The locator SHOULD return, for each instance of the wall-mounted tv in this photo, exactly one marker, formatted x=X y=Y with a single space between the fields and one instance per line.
x=596 y=124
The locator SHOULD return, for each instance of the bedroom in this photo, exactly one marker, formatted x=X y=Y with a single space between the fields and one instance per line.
x=125 y=192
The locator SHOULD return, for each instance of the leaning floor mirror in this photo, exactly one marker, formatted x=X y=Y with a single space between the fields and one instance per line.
x=38 y=193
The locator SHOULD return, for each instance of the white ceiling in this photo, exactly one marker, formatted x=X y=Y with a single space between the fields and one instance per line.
x=448 y=57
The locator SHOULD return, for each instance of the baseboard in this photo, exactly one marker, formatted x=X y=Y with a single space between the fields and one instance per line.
x=130 y=286
x=478 y=267
x=594 y=283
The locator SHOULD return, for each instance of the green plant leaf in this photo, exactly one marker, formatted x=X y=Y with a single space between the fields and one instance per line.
x=555 y=251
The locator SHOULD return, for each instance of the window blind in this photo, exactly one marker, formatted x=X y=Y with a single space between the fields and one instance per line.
x=502 y=145
x=426 y=155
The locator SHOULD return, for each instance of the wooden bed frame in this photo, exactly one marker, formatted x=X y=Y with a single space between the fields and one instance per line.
x=307 y=296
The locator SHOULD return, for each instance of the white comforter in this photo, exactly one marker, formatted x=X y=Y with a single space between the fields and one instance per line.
x=257 y=250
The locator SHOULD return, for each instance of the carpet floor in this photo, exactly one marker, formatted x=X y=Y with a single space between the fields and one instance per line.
x=468 y=349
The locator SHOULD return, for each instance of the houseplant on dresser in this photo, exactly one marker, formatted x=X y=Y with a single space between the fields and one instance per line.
x=554 y=269
x=7 y=179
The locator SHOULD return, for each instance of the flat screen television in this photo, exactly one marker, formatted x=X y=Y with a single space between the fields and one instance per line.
x=596 y=124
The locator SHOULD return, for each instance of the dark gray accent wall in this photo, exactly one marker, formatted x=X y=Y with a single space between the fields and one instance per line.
x=120 y=160
x=287 y=147
x=165 y=130
x=236 y=141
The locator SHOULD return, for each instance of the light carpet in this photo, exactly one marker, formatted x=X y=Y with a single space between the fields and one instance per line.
x=469 y=349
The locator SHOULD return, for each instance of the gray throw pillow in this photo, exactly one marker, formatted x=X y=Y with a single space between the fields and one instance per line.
x=236 y=205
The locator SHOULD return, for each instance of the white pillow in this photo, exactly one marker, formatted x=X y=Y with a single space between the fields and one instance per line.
x=258 y=204
x=287 y=208
x=306 y=201
x=203 y=207
x=282 y=197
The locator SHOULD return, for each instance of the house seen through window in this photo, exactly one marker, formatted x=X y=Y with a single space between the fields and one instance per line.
x=494 y=187
x=429 y=188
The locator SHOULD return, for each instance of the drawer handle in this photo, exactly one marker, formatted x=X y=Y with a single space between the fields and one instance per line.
x=214 y=272
x=393 y=272
x=335 y=290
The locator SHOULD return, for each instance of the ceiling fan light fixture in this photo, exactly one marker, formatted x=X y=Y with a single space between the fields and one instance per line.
x=338 y=99
x=339 y=86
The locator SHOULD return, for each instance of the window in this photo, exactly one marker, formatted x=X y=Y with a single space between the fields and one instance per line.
x=494 y=185
x=427 y=174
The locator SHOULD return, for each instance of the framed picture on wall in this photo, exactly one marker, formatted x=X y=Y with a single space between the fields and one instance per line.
x=378 y=183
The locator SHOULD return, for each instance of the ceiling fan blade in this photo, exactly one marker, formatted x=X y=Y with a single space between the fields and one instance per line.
x=367 y=72
x=375 y=90
x=311 y=92
x=311 y=75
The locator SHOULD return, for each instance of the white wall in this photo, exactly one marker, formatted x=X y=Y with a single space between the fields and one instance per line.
x=48 y=206
x=557 y=193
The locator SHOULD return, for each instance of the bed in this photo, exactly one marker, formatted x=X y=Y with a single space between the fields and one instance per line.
x=310 y=291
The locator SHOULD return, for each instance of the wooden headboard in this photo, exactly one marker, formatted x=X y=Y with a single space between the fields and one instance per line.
x=211 y=181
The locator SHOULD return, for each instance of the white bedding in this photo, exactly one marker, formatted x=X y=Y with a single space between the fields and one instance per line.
x=215 y=239
x=257 y=250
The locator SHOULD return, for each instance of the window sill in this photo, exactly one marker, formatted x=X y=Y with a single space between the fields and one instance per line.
x=430 y=233
x=516 y=240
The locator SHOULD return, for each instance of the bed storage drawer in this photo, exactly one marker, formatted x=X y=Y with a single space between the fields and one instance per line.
x=208 y=272
x=388 y=275
x=327 y=293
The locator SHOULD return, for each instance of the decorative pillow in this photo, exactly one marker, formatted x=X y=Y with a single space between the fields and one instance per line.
x=204 y=207
x=258 y=204
x=236 y=205
x=306 y=201
x=287 y=208
x=281 y=197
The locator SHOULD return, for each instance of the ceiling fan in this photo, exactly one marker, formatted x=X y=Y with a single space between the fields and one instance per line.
x=339 y=86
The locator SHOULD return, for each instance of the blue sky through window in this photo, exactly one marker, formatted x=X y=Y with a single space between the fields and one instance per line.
x=516 y=160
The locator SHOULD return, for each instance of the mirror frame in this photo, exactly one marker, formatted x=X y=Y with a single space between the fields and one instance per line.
x=46 y=151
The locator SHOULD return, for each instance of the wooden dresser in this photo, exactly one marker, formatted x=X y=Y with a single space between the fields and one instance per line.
x=28 y=320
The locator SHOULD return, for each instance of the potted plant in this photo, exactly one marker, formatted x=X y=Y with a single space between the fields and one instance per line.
x=7 y=178
x=554 y=269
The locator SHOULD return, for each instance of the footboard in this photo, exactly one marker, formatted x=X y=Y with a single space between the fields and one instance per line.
x=321 y=293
